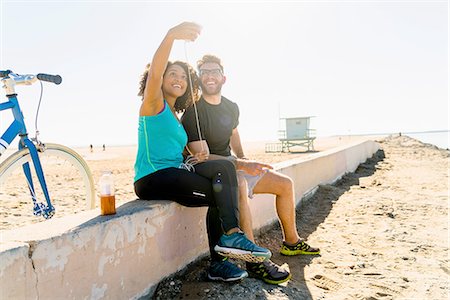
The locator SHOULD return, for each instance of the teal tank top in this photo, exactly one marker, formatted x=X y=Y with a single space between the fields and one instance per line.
x=161 y=141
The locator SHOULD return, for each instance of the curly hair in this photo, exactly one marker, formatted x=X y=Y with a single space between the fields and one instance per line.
x=209 y=58
x=184 y=101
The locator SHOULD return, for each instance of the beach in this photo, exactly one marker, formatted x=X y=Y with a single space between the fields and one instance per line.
x=119 y=160
x=382 y=230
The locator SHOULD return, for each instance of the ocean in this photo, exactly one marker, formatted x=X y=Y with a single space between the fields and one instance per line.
x=438 y=138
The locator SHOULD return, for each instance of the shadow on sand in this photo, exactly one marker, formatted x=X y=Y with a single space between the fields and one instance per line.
x=310 y=214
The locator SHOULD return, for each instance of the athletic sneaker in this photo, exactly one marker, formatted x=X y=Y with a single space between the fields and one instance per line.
x=225 y=271
x=300 y=248
x=268 y=272
x=238 y=246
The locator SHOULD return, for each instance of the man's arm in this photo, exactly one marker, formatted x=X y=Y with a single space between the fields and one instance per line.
x=200 y=150
x=236 y=145
x=241 y=162
x=196 y=147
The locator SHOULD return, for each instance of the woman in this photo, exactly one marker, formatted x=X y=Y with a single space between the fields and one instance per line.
x=159 y=172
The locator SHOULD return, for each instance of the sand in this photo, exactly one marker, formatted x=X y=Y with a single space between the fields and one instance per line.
x=383 y=234
x=383 y=230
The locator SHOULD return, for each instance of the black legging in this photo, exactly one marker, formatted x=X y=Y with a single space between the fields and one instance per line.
x=213 y=184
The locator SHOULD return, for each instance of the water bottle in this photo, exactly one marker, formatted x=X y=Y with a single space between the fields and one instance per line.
x=107 y=194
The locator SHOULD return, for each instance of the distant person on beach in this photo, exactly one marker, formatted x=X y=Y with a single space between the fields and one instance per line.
x=91 y=147
x=218 y=119
x=104 y=147
x=161 y=173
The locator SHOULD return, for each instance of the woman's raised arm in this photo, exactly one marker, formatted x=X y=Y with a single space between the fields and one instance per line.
x=153 y=96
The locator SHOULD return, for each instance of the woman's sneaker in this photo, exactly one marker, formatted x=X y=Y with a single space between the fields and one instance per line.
x=225 y=271
x=238 y=246
x=268 y=272
x=300 y=248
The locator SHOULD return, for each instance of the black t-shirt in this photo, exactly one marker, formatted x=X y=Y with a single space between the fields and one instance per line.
x=216 y=124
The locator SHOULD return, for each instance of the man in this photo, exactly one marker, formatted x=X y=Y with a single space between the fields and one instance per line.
x=218 y=121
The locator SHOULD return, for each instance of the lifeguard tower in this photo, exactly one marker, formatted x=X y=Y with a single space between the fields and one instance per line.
x=296 y=132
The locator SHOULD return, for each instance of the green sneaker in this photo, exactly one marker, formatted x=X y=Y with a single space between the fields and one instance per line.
x=300 y=248
x=268 y=272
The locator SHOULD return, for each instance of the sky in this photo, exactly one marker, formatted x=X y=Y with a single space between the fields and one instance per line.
x=358 y=67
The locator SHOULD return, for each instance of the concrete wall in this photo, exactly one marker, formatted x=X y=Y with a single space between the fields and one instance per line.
x=87 y=256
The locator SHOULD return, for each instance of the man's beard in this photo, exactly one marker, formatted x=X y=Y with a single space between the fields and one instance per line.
x=208 y=91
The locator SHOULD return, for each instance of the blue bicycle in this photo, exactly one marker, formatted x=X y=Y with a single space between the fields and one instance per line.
x=58 y=170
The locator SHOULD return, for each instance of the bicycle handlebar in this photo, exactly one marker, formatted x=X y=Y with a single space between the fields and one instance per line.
x=4 y=73
x=29 y=78
x=56 y=79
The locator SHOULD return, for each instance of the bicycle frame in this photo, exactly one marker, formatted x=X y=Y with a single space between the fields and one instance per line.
x=18 y=128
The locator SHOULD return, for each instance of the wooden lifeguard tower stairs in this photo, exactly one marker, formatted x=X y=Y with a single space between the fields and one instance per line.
x=296 y=133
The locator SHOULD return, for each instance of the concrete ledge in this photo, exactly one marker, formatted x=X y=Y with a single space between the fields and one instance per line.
x=97 y=257
x=124 y=256
x=320 y=168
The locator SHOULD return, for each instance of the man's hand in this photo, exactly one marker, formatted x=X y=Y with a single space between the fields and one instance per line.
x=252 y=167
x=201 y=156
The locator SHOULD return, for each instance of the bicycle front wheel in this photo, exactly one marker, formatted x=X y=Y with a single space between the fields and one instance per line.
x=69 y=183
